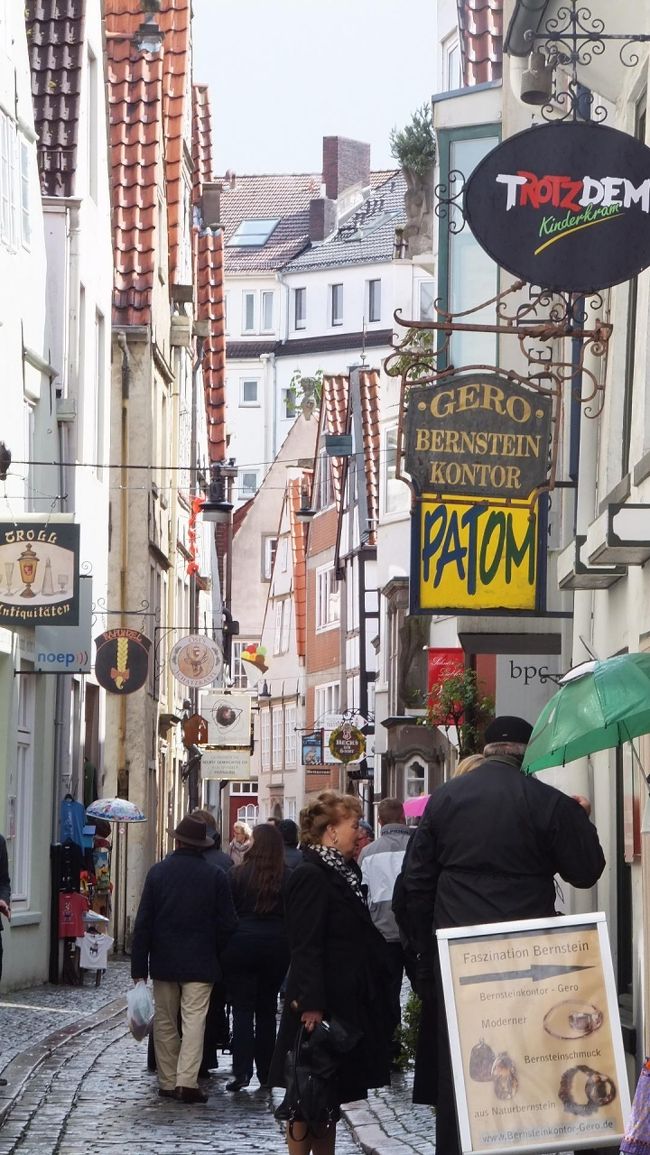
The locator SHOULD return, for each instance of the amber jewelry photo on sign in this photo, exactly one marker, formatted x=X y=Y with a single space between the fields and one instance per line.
x=572 y=1019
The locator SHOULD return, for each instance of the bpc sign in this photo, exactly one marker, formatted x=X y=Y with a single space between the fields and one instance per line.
x=565 y=206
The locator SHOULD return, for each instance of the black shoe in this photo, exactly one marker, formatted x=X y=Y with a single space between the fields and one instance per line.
x=4 y=1082
x=166 y=1094
x=191 y=1095
x=237 y=1084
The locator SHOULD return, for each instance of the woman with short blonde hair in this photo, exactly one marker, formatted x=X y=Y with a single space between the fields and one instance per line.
x=337 y=964
x=241 y=841
x=467 y=764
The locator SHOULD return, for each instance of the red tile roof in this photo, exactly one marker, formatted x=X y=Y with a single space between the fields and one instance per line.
x=334 y=419
x=480 y=23
x=299 y=554
x=338 y=403
x=146 y=95
x=55 y=31
x=208 y=257
x=285 y=196
x=369 y=403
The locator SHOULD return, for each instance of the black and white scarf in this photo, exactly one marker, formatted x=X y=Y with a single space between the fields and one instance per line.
x=334 y=859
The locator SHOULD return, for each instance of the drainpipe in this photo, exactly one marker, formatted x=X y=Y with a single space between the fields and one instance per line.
x=193 y=781
x=122 y=772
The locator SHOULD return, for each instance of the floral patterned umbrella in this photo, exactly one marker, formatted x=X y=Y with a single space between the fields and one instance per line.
x=115 y=810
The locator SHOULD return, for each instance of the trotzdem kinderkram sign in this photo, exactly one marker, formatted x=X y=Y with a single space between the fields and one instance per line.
x=477 y=435
x=565 y=206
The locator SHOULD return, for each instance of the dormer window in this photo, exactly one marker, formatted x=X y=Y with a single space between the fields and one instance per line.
x=252 y=234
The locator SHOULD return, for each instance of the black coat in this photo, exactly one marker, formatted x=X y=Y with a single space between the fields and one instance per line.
x=337 y=967
x=185 y=918
x=5 y=882
x=488 y=847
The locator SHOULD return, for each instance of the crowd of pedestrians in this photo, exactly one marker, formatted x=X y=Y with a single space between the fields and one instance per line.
x=329 y=918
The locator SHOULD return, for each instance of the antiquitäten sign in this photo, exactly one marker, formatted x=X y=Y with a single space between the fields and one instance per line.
x=39 y=573
x=565 y=206
x=474 y=557
x=535 y=1035
x=479 y=436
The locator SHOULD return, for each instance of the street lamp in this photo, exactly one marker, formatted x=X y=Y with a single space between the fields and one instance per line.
x=149 y=37
x=218 y=507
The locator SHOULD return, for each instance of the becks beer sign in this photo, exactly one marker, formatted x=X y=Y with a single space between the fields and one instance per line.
x=565 y=206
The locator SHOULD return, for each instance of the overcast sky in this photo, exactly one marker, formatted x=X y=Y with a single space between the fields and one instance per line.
x=284 y=73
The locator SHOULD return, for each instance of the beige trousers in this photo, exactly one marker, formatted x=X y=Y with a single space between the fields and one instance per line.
x=178 y=1058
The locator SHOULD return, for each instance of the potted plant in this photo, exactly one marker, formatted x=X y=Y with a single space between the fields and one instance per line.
x=414 y=146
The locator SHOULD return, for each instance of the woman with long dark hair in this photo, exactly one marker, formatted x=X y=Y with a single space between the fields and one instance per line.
x=337 y=963
x=257 y=956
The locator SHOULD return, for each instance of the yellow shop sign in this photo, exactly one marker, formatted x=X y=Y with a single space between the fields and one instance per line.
x=475 y=556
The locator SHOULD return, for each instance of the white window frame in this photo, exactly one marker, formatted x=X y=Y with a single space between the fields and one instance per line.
x=278 y=614
x=245 y=327
x=290 y=740
x=265 y=739
x=336 y=304
x=25 y=198
x=452 y=64
x=374 y=300
x=266 y=296
x=327 y=702
x=247 y=404
x=328 y=599
x=238 y=674
x=325 y=485
x=248 y=491
x=426 y=314
x=285 y=633
x=415 y=786
x=269 y=552
x=289 y=405
x=226 y=311
x=248 y=814
x=395 y=493
x=300 y=314
x=21 y=790
x=277 y=739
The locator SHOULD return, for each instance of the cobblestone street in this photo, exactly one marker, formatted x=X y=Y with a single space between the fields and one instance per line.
x=78 y=1085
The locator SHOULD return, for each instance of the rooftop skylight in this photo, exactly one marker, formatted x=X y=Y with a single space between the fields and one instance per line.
x=249 y=234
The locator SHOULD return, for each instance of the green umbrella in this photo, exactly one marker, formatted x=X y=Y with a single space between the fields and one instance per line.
x=600 y=705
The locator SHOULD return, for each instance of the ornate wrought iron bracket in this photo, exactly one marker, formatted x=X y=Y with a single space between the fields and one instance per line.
x=570 y=40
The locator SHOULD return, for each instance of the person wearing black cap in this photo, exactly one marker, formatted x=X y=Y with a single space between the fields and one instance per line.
x=487 y=850
x=186 y=916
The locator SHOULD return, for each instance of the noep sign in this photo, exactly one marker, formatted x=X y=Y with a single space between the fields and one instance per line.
x=565 y=206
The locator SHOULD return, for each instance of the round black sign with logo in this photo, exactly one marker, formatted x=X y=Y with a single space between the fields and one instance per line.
x=564 y=206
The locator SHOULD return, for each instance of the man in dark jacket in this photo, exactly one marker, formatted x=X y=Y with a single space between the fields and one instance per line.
x=5 y=890
x=289 y=831
x=381 y=861
x=487 y=850
x=5 y=901
x=184 y=920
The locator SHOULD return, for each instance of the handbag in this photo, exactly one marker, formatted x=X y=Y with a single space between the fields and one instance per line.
x=310 y=1070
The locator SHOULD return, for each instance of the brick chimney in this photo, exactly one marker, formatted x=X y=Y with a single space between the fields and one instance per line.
x=346 y=165
x=322 y=218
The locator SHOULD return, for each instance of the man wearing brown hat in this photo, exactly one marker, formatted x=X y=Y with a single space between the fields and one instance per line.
x=184 y=920
x=487 y=850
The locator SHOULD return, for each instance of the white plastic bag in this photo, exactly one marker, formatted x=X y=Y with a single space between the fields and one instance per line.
x=139 y=1010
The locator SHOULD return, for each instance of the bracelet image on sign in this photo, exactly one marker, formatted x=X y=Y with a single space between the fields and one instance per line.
x=583 y=1090
x=572 y=1019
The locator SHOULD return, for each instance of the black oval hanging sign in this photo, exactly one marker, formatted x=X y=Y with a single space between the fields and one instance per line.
x=564 y=206
x=122 y=660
